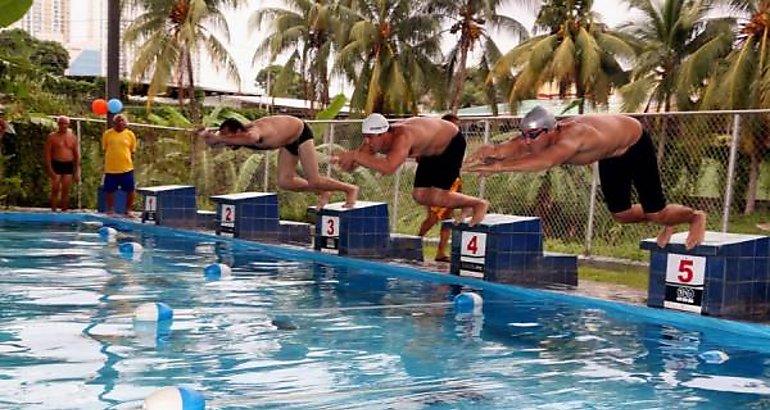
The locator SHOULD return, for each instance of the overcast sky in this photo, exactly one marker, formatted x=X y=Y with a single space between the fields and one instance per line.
x=243 y=41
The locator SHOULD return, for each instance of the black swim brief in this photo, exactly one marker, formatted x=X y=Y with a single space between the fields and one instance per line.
x=63 y=167
x=307 y=134
x=638 y=166
x=441 y=171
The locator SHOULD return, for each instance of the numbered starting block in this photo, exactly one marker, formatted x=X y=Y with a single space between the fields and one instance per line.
x=359 y=231
x=726 y=276
x=508 y=249
x=247 y=215
x=169 y=205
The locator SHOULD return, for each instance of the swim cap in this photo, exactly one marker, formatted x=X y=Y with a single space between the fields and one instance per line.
x=374 y=124
x=537 y=121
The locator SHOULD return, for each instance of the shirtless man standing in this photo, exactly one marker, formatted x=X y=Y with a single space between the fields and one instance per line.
x=62 y=163
x=438 y=144
x=626 y=157
x=294 y=141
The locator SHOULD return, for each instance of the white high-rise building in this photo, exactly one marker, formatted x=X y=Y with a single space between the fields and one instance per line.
x=47 y=20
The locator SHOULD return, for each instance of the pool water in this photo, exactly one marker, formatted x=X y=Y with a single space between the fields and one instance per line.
x=288 y=333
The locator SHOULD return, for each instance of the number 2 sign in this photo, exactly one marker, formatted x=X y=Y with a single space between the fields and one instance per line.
x=227 y=217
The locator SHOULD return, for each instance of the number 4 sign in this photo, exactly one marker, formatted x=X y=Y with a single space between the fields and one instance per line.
x=473 y=253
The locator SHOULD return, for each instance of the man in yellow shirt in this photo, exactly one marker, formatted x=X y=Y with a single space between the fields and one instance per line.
x=119 y=144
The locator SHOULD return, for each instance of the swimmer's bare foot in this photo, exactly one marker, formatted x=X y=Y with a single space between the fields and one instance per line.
x=479 y=212
x=351 y=197
x=323 y=199
x=664 y=236
x=464 y=213
x=697 y=231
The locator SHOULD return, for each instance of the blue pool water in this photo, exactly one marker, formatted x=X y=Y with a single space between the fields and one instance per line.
x=325 y=333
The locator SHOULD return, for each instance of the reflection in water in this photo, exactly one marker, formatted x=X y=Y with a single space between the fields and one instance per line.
x=295 y=334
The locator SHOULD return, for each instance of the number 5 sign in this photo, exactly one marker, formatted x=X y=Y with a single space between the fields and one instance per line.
x=685 y=269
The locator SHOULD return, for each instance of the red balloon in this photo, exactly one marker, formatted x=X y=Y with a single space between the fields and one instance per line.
x=99 y=106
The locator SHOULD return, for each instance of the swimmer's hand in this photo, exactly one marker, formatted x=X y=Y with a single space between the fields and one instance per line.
x=486 y=154
x=346 y=160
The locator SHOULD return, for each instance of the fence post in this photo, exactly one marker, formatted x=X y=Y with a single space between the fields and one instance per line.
x=731 y=171
x=267 y=172
x=483 y=181
x=397 y=186
x=592 y=208
x=330 y=151
x=80 y=174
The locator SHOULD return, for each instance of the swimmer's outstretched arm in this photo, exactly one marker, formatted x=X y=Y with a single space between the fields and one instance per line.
x=515 y=148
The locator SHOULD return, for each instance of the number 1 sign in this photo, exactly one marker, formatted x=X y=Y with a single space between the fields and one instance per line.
x=473 y=253
x=151 y=208
x=685 y=278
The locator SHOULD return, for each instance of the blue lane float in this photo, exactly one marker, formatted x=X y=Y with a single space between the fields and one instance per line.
x=153 y=312
x=130 y=250
x=175 y=398
x=468 y=303
x=108 y=234
x=216 y=271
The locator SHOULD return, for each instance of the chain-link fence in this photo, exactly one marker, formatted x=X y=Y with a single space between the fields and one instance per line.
x=708 y=160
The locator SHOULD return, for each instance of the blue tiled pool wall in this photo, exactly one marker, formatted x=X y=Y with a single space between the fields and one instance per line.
x=242 y=253
x=515 y=255
x=737 y=279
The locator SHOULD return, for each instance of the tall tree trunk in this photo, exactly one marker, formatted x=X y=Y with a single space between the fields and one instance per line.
x=664 y=133
x=193 y=101
x=459 y=80
x=751 y=190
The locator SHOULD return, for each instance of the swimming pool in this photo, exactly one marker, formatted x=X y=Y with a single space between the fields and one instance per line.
x=292 y=329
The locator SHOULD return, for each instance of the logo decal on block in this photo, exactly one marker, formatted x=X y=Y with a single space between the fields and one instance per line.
x=330 y=234
x=473 y=253
x=150 y=208
x=685 y=278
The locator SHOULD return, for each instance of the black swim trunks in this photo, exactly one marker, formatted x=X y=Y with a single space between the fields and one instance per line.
x=441 y=171
x=307 y=134
x=63 y=167
x=638 y=166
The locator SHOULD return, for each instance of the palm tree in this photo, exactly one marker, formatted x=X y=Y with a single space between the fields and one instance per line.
x=469 y=19
x=390 y=55
x=168 y=34
x=307 y=28
x=679 y=44
x=576 y=50
x=743 y=83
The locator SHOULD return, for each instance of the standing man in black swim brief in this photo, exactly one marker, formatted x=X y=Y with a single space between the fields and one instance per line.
x=62 y=163
x=294 y=141
x=626 y=158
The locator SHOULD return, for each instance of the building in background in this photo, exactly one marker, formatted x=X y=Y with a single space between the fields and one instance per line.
x=47 y=20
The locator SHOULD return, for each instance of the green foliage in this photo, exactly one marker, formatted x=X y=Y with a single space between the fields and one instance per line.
x=13 y=10
x=283 y=81
x=49 y=56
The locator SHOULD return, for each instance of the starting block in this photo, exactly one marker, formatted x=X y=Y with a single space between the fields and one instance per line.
x=728 y=275
x=359 y=231
x=120 y=201
x=508 y=249
x=169 y=205
x=247 y=215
